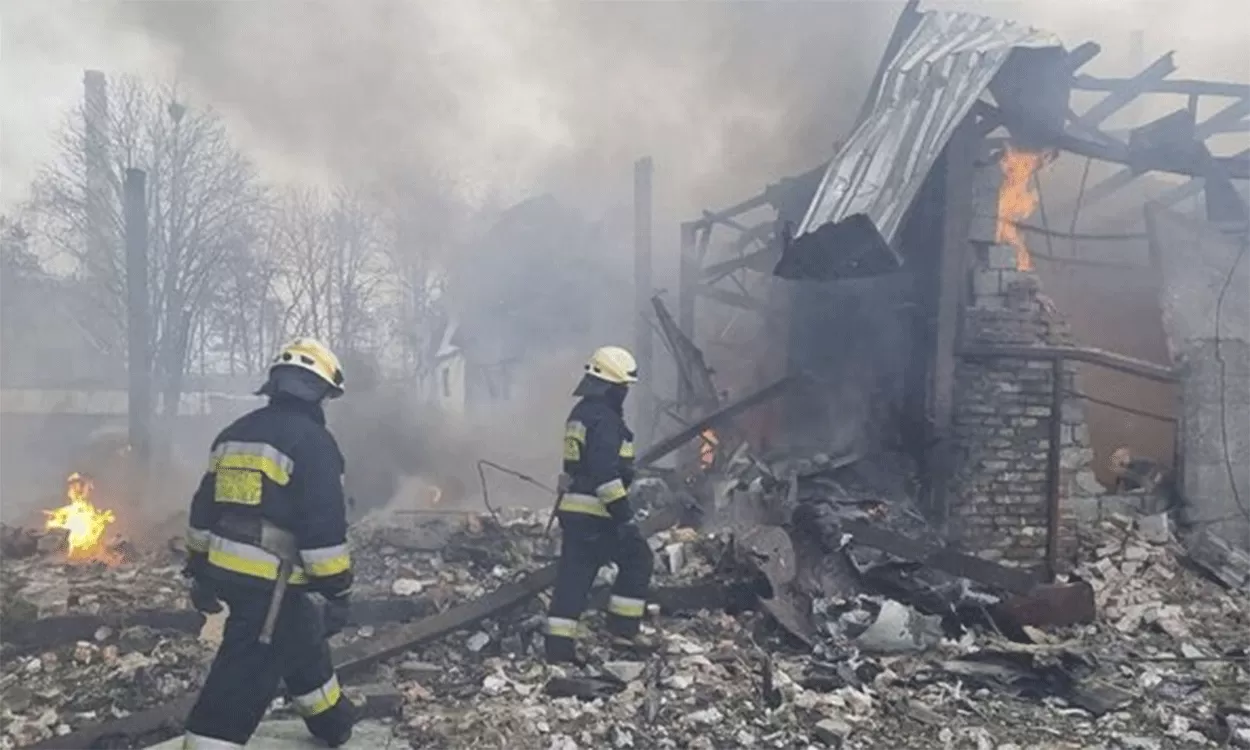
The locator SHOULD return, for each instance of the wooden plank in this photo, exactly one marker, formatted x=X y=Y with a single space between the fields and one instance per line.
x=986 y=572
x=726 y=413
x=46 y=632
x=1213 y=125
x=1124 y=94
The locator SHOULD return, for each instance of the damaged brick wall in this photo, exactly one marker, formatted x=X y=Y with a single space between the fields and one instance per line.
x=1205 y=274
x=1002 y=410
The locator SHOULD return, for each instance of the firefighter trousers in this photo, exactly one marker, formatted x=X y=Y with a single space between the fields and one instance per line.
x=246 y=673
x=588 y=543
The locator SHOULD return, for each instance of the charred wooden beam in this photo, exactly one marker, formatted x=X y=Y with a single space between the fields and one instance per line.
x=1238 y=167
x=1124 y=94
x=735 y=299
x=1081 y=54
x=693 y=371
x=1171 y=86
x=46 y=632
x=1215 y=124
x=716 y=419
x=761 y=261
x=986 y=572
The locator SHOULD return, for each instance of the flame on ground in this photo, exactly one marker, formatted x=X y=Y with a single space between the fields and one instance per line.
x=85 y=523
x=707 y=449
x=1017 y=199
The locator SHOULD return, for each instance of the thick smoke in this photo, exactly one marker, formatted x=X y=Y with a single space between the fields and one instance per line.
x=512 y=98
x=493 y=102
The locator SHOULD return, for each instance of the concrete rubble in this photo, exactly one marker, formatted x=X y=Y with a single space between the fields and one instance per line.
x=893 y=653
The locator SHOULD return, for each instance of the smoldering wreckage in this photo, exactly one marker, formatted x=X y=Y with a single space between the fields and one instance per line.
x=804 y=597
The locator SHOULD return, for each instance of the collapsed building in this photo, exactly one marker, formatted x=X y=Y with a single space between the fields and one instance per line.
x=887 y=435
x=904 y=282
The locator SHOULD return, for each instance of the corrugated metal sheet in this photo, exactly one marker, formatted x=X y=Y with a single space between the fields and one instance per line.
x=927 y=89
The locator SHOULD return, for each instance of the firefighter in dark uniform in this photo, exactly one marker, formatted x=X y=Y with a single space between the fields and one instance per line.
x=596 y=519
x=271 y=506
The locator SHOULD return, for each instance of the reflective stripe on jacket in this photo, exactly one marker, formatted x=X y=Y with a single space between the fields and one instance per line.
x=599 y=459
x=276 y=467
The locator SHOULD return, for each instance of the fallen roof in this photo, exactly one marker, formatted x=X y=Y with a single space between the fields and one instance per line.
x=926 y=89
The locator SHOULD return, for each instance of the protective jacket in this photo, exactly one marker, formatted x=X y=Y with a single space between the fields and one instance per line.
x=599 y=460
x=276 y=467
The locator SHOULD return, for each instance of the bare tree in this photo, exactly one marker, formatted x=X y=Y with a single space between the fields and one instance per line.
x=331 y=267
x=202 y=198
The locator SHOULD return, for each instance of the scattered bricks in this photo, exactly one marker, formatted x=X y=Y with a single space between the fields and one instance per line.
x=1037 y=411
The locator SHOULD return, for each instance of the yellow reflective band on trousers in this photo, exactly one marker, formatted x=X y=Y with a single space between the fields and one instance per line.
x=320 y=700
x=627 y=449
x=260 y=457
x=248 y=560
x=561 y=627
x=624 y=606
x=324 y=562
x=191 y=741
x=197 y=539
x=586 y=504
x=610 y=492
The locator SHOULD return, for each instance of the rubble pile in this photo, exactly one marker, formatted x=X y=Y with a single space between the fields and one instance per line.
x=87 y=642
x=1171 y=675
x=449 y=557
x=889 y=651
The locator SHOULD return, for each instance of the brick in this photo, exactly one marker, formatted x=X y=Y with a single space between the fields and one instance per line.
x=986 y=283
x=1001 y=257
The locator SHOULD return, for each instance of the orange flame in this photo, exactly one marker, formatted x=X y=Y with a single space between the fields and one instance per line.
x=85 y=523
x=707 y=450
x=1017 y=199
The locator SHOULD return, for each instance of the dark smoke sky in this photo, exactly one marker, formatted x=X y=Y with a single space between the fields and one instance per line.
x=501 y=97
x=512 y=98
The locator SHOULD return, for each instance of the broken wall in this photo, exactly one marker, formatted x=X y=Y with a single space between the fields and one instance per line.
x=1116 y=308
x=1003 y=413
x=853 y=336
x=1206 y=314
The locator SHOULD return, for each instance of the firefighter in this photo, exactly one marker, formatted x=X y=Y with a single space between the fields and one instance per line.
x=596 y=519
x=271 y=502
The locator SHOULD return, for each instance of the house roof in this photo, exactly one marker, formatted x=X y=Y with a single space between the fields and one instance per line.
x=926 y=89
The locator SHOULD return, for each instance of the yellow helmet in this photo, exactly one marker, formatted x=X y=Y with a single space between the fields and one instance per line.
x=613 y=364
x=314 y=356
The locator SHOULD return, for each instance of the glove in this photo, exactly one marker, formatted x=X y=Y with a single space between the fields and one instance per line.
x=203 y=598
x=335 y=615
